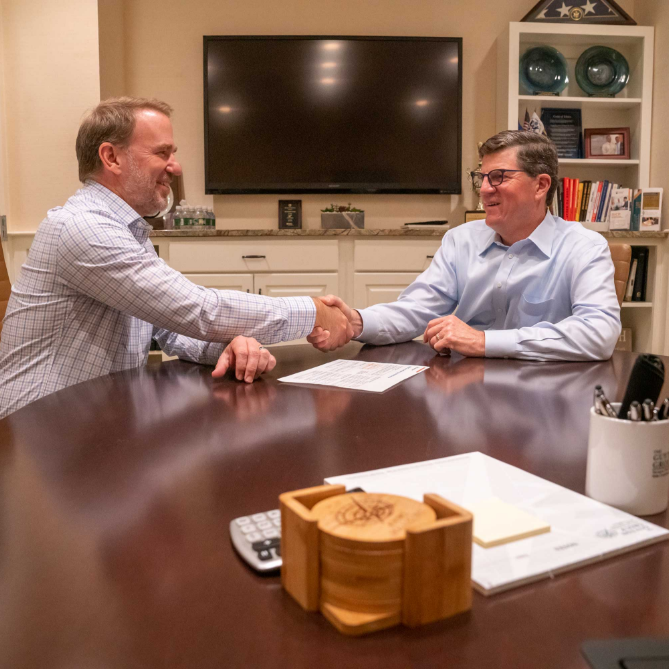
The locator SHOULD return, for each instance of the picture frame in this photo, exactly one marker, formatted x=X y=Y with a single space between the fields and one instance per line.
x=290 y=214
x=607 y=143
x=474 y=215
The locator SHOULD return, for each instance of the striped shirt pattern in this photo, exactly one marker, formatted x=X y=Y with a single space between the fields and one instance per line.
x=93 y=293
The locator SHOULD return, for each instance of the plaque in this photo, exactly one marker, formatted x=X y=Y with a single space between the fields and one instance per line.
x=563 y=126
x=290 y=214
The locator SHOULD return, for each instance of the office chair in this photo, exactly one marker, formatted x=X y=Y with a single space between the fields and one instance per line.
x=621 y=254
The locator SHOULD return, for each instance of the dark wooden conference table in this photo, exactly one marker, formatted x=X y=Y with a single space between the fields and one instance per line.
x=116 y=495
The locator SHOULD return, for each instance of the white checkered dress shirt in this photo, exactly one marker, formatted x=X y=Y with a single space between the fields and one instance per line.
x=93 y=293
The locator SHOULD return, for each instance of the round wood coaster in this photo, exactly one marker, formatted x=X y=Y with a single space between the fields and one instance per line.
x=362 y=549
x=370 y=517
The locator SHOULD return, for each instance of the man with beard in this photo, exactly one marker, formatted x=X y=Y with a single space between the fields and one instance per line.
x=93 y=293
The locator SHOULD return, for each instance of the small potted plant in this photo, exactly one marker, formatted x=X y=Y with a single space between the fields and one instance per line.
x=336 y=216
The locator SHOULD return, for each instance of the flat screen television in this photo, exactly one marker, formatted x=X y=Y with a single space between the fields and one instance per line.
x=332 y=114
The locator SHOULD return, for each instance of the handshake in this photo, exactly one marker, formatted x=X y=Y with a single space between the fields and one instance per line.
x=335 y=323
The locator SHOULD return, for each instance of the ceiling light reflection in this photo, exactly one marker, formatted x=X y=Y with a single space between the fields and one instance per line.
x=332 y=46
x=422 y=103
x=329 y=65
x=225 y=109
x=327 y=80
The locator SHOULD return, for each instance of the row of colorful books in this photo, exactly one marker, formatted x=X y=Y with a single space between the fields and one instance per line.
x=610 y=205
x=635 y=291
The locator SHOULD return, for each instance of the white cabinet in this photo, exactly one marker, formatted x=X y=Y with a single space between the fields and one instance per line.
x=379 y=287
x=292 y=285
x=243 y=282
x=383 y=268
x=274 y=285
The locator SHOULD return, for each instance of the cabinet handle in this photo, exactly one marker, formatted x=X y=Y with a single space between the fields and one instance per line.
x=430 y=257
x=259 y=291
x=248 y=290
x=253 y=257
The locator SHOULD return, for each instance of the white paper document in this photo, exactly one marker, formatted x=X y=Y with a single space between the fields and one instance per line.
x=374 y=377
x=581 y=529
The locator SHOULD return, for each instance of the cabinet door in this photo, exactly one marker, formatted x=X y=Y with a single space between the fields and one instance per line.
x=292 y=285
x=243 y=282
x=376 y=288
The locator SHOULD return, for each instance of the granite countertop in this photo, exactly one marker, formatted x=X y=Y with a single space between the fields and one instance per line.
x=368 y=232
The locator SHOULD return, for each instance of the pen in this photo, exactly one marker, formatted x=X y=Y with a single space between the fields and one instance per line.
x=648 y=407
x=664 y=410
x=634 y=412
x=607 y=405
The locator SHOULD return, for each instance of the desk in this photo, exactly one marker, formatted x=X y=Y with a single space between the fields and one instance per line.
x=116 y=496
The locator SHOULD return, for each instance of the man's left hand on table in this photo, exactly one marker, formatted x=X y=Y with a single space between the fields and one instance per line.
x=248 y=358
x=450 y=333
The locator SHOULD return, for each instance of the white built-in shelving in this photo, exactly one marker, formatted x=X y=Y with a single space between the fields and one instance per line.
x=630 y=108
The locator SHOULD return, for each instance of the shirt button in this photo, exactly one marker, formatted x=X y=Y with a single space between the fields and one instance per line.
x=510 y=255
x=499 y=285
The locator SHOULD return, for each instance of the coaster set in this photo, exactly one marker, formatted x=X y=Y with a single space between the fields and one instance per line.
x=369 y=561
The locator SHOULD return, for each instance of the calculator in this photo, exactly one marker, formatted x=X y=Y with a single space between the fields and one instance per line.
x=257 y=538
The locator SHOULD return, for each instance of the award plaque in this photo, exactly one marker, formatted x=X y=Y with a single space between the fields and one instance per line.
x=290 y=214
x=563 y=126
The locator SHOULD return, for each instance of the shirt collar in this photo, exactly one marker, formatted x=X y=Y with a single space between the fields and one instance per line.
x=541 y=237
x=123 y=212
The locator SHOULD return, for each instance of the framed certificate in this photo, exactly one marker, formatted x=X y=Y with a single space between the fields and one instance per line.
x=290 y=214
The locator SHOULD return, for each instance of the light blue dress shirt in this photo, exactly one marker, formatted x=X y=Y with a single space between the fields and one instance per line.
x=548 y=297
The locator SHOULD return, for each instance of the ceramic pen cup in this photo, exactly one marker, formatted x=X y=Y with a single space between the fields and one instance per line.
x=628 y=463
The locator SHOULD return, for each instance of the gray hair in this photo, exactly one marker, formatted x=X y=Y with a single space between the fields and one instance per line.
x=112 y=121
x=536 y=154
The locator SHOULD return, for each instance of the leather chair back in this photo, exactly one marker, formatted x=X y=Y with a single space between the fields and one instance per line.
x=621 y=254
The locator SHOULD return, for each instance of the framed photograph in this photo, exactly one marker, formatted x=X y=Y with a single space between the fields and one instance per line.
x=607 y=143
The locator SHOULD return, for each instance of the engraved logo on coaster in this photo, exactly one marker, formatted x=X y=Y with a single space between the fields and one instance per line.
x=357 y=513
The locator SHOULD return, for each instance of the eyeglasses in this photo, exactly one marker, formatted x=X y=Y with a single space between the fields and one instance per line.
x=495 y=177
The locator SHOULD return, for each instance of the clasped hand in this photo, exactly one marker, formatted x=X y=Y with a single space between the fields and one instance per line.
x=336 y=323
x=449 y=333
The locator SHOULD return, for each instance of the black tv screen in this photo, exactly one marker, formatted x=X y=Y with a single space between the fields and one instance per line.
x=332 y=114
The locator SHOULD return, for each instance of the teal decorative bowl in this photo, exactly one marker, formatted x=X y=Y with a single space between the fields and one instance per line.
x=543 y=69
x=601 y=70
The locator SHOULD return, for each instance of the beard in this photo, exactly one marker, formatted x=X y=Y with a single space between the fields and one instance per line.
x=141 y=190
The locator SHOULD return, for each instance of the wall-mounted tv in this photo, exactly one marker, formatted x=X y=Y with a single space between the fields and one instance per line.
x=332 y=114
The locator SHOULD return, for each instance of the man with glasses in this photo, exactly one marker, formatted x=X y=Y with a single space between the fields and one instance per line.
x=519 y=284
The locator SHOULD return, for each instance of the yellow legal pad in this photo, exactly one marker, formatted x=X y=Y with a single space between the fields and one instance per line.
x=496 y=523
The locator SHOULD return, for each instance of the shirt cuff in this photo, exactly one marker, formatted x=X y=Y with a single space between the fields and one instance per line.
x=370 y=325
x=500 y=343
x=299 y=314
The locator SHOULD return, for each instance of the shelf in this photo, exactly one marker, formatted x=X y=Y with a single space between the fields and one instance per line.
x=638 y=305
x=597 y=161
x=571 y=100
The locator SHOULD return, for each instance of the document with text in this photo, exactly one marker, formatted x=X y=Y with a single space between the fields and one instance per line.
x=374 y=377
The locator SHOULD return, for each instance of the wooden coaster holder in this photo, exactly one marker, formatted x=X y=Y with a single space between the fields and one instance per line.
x=436 y=568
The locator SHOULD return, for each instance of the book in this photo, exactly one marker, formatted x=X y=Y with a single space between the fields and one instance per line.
x=629 y=290
x=591 y=200
x=651 y=209
x=620 y=209
x=636 y=210
x=641 y=273
x=579 y=199
x=587 y=185
x=595 y=204
x=602 y=200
